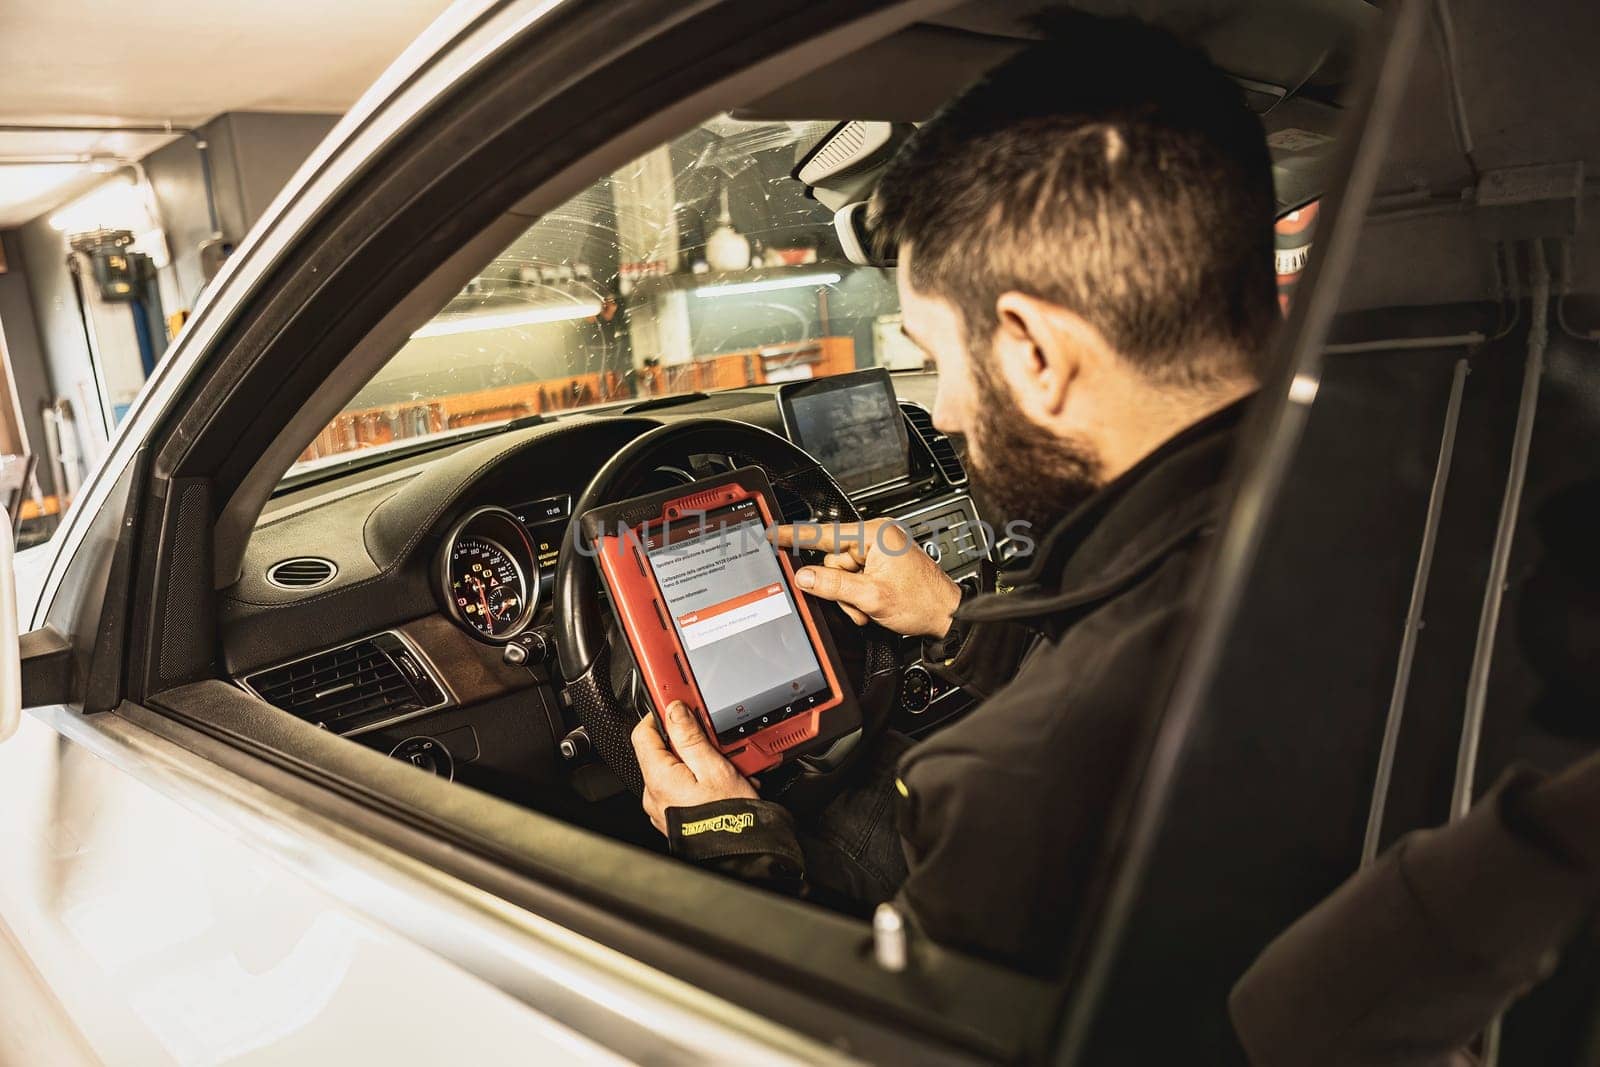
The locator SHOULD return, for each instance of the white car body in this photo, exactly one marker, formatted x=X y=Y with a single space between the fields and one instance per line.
x=167 y=897
x=157 y=909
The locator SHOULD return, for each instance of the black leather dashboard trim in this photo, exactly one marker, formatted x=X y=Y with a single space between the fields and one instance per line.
x=382 y=536
x=393 y=530
x=387 y=579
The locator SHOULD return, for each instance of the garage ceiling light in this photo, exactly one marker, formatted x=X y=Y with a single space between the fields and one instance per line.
x=766 y=286
x=507 y=319
x=116 y=205
x=22 y=182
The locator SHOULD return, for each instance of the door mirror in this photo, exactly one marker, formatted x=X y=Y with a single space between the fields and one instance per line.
x=10 y=648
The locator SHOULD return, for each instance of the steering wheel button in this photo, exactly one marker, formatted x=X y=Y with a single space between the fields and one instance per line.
x=916 y=689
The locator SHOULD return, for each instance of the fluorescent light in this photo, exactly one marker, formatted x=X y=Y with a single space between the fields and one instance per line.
x=116 y=205
x=505 y=319
x=22 y=182
x=793 y=282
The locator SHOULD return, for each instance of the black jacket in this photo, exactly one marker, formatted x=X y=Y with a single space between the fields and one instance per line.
x=1002 y=815
x=1409 y=960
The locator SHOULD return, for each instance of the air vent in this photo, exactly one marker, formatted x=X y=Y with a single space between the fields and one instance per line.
x=303 y=572
x=939 y=446
x=378 y=679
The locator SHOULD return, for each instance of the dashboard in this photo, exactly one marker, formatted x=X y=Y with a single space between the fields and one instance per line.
x=427 y=632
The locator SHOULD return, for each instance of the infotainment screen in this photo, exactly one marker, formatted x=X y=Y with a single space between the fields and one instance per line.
x=732 y=609
x=852 y=424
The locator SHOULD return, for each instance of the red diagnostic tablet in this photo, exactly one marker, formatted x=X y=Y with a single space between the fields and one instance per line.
x=713 y=618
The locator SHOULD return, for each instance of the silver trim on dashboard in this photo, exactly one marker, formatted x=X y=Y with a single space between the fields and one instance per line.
x=966 y=501
x=273 y=580
x=529 y=575
x=428 y=666
x=966 y=475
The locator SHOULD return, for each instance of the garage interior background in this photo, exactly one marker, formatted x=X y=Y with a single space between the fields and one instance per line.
x=137 y=148
x=109 y=120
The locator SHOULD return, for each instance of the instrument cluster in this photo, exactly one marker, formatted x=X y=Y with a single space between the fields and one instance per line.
x=497 y=566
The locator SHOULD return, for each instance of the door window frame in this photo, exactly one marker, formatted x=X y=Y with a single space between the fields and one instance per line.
x=318 y=299
x=294 y=306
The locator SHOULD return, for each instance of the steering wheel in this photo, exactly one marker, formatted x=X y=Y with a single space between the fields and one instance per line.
x=590 y=651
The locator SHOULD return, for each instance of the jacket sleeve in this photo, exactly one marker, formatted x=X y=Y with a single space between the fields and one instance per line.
x=753 y=840
x=1409 y=960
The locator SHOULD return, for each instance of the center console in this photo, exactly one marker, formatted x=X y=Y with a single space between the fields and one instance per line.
x=889 y=458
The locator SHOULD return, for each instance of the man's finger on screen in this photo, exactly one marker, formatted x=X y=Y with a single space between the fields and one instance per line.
x=683 y=726
x=850 y=537
x=809 y=535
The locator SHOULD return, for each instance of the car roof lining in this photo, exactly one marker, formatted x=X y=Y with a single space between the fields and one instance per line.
x=1278 y=49
x=1290 y=59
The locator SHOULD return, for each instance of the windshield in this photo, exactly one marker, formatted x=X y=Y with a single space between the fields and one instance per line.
x=701 y=265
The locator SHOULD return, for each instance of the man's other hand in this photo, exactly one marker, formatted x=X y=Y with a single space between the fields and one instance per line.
x=695 y=774
x=874 y=570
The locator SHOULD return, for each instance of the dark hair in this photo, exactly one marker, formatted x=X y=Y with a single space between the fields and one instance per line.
x=1111 y=170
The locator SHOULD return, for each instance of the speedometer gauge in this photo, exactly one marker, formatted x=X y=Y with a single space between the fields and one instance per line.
x=489 y=575
x=487 y=585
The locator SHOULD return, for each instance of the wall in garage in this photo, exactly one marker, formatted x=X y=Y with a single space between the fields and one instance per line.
x=252 y=156
x=23 y=349
x=174 y=173
x=269 y=147
x=65 y=351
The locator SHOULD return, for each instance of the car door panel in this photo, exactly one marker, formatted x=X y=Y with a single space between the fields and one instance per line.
x=181 y=915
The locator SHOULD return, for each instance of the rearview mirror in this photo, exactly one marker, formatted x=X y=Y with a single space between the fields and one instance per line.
x=10 y=649
x=850 y=224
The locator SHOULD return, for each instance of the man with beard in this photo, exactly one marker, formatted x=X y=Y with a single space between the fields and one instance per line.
x=1084 y=241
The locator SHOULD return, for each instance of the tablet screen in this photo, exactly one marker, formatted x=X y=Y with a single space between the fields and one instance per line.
x=733 y=611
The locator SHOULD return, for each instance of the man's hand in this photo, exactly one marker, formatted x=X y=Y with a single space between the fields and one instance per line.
x=875 y=571
x=701 y=775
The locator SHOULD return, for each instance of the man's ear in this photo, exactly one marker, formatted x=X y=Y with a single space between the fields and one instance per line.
x=1041 y=349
